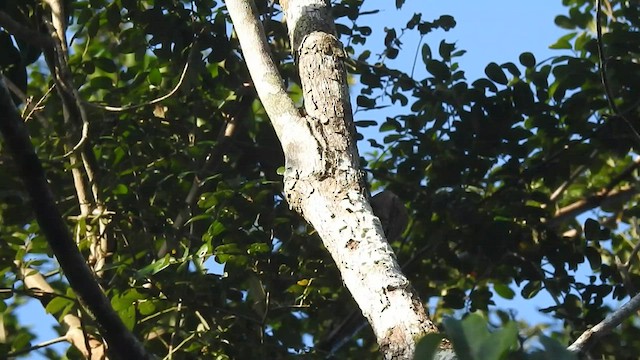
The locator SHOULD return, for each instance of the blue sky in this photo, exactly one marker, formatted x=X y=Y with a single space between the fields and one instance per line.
x=490 y=30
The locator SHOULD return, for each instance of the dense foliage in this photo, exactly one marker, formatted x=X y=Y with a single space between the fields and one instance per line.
x=495 y=173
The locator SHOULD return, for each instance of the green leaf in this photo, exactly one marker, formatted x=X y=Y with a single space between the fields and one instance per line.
x=445 y=50
x=554 y=350
x=593 y=256
x=391 y=138
x=228 y=249
x=392 y=52
x=120 y=189
x=504 y=291
x=57 y=304
x=581 y=41
x=259 y=248
x=438 y=69
x=564 y=42
x=146 y=307
x=511 y=68
x=155 y=267
x=485 y=84
x=93 y=26
x=564 y=22
x=365 y=102
x=426 y=53
x=427 y=346
x=499 y=343
x=21 y=340
x=366 y=123
x=495 y=73
x=415 y=20
x=454 y=298
x=446 y=22
x=216 y=228
x=105 y=64
x=102 y=82
x=455 y=333
x=364 y=56
x=390 y=124
x=531 y=289
x=155 y=77
x=522 y=96
x=591 y=229
x=472 y=340
x=128 y=316
x=527 y=59
x=113 y=16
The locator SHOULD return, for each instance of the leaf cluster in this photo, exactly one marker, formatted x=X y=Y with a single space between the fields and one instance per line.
x=487 y=167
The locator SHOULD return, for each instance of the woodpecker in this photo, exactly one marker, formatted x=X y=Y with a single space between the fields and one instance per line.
x=388 y=207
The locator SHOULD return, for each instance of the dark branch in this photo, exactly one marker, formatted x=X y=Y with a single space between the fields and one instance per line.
x=22 y=32
x=122 y=343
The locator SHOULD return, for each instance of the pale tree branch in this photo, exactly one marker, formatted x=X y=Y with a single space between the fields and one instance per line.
x=91 y=206
x=35 y=347
x=599 y=199
x=606 y=195
x=576 y=173
x=606 y=326
x=585 y=204
x=290 y=126
x=322 y=180
x=87 y=344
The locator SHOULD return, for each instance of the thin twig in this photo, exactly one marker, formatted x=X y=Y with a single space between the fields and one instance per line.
x=606 y=326
x=37 y=105
x=415 y=57
x=36 y=347
x=178 y=322
x=175 y=89
x=633 y=255
x=625 y=267
x=623 y=175
x=64 y=81
x=15 y=90
x=591 y=202
x=576 y=173
x=607 y=193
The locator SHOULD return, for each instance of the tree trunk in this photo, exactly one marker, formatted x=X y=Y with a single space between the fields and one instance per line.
x=322 y=180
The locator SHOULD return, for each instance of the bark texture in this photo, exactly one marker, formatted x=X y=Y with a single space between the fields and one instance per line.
x=323 y=181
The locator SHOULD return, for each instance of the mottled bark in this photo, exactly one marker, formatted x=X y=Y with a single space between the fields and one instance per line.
x=322 y=180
